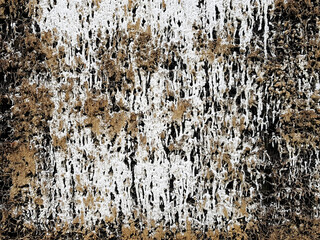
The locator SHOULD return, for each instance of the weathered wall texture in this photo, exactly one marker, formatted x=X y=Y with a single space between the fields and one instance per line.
x=159 y=119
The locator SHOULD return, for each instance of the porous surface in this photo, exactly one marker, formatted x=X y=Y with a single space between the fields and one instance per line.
x=159 y=119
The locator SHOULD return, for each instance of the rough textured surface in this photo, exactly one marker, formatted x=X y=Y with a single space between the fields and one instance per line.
x=159 y=119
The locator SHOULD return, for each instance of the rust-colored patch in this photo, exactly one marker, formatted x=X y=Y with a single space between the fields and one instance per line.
x=22 y=168
x=38 y=201
x=26 y=109
x=59 y=142
x=130 y=232
x=117 y=122
x=89 y=200
x=208 y=49
x=147 y=51
x=133 y=124
x=93 y=108
x=97 y=3
x=179 y=110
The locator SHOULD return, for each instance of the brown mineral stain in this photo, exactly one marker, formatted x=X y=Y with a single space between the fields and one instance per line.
x=130 y=232
x=54 y=57
x=179 y=110
x=226 y=159
x=315 y=96
x=90 y=235
x=117 y=122
x=214 y=235
x=79 y=186
x=89 y=200
x=59 y=142
x=225 y=213
x=308 y=121
x=95 y=106
x=47 y=37
x=160 y=233
x=95 y=124
x=211 y=49
x=133 y=125
x=76 y=220
x=130 y=4
x=32 y=106
x=143 y=139
x=130 y=74
x=147 y=52
x=23 y=168
x=145 y=234
x=242 y=124
x=243 y=208
x=38 y=201
x=164 y=6
x=97 y=3
x=26 y=109
x=134 y=28
x=189 y=234
x=2 y=9
x=78 y=179
x=163 y=135
x=82 y=218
